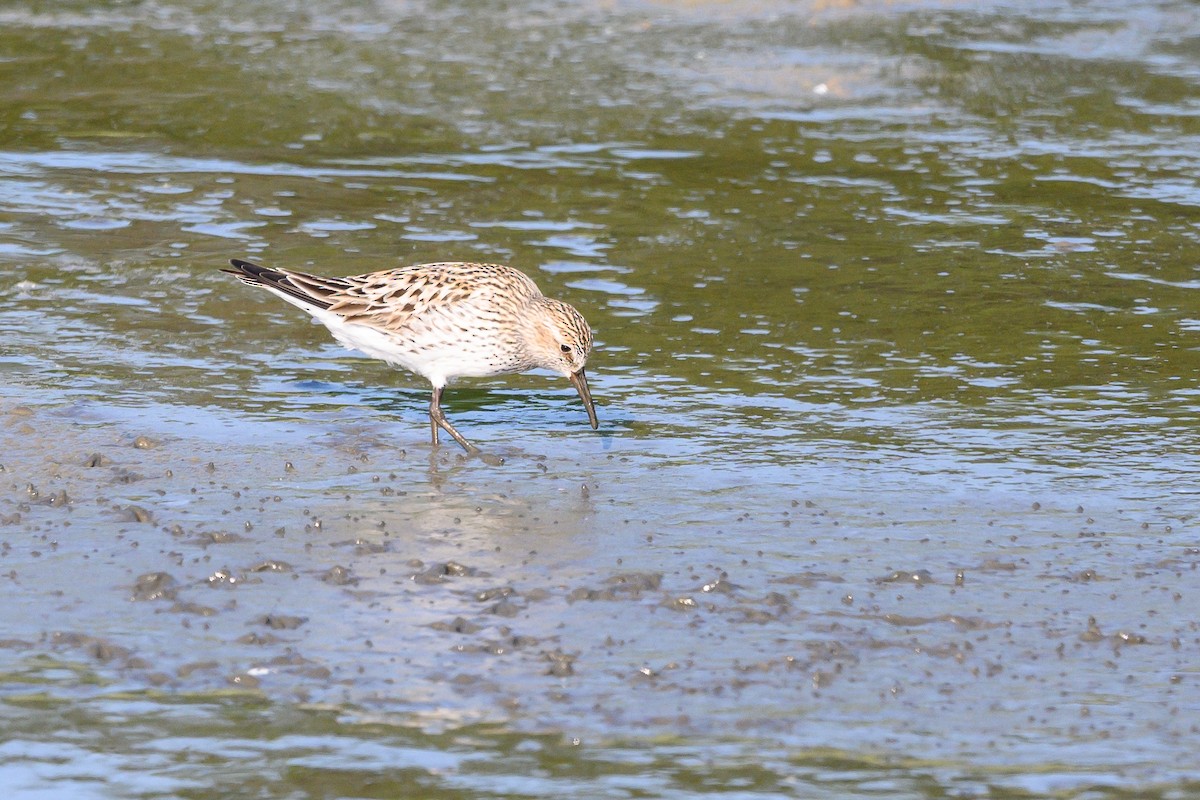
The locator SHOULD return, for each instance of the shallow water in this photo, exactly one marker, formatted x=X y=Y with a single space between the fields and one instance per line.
x=895 y=487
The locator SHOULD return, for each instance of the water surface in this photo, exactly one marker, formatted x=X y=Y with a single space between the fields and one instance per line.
x=894 y=492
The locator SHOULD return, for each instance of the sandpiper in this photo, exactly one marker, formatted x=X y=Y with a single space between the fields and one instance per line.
x=442 y=321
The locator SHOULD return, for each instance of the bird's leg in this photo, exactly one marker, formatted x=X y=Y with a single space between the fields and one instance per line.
x=435 y=409
x=437 y=419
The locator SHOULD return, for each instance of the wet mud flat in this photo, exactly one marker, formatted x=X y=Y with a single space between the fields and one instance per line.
x=292 y=577
x=894 y=492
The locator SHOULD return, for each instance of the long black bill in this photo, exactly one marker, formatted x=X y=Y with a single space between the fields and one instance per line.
x=579 y=381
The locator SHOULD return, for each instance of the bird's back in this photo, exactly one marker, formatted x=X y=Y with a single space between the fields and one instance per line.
x=441 y=320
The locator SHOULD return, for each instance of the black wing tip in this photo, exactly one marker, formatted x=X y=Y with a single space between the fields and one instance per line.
x=244 y=268
x=254 y=275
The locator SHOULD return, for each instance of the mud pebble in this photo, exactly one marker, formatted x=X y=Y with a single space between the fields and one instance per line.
x=154 y=586
x=97 y=460
x=258 y=638
x=194 y=608
x=456 y=625
x=584 y=593
x=521 y=641
x=636 y=581
x=144 y=443
x=777 y=599
x=919 y=577
x=96 y=648
x=682 y=604
x=271 y=565
x=137 y=514
x=185 y=670
x=1093 y=632
x=625 y=583
x=339 y=576
x=217 y=537
x=107 y=651
x=223 y=577
x=282 y=622
x=438 y=573
x=122 y=476
x=536 y=595
x=364 y=547
x=505 y=608
x=719 y=584
x=316 y=673
x=562 y=665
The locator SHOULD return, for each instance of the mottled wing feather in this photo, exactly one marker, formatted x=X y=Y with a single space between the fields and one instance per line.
x=427 y=296
x=320 y=288
x=392 y=299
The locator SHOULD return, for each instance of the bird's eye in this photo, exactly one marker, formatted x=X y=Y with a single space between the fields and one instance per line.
x=566 y=348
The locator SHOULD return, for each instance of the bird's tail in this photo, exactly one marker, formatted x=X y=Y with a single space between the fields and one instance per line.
x=278 y=281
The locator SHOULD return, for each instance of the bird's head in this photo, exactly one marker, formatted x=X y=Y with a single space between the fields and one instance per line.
x=560 y=340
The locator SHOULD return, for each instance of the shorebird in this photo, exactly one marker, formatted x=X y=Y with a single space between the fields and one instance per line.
x=442 y=321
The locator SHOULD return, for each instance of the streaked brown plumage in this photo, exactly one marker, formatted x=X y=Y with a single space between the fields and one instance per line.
x=442 y=321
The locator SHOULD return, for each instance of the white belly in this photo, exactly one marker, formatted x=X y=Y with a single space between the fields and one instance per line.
x=430 y=353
